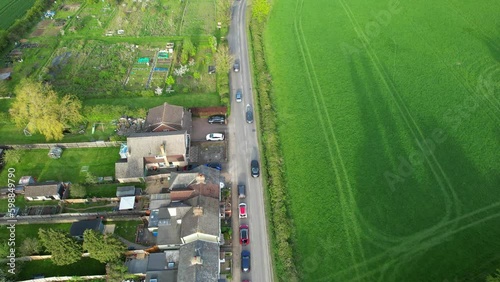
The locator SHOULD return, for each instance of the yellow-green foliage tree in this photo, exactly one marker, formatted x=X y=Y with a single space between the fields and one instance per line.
x=39 y=108
x=260 y=10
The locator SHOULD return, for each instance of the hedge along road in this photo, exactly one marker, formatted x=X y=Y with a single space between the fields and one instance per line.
x=244 y=147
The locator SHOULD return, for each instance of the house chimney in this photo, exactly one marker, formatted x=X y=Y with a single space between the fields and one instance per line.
x=163 y=153
x=200 y=179
x=196 y=260
x=198 y=211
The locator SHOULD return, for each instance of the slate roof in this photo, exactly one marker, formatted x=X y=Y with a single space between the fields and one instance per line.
x=207 y=222
x=77 y=228
x=143 y=145
x=168 y=118
x=171 y=234
x=207 y=271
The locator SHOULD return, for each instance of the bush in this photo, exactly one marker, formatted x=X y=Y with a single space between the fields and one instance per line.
x=12 y=156
x=77 y=191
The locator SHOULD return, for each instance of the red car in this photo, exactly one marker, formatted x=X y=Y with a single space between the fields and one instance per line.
x=243 y=210
x=244 y=235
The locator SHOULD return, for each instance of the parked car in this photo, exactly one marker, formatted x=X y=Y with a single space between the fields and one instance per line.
x=215 y=137
x=239 y=96
x=236 y=65
x=217 y=166
x=217 y=119
x=245 y=261
x=244 y=235
x=249 y=114
x=254 y=168
x=242 y=208
x=241 y=191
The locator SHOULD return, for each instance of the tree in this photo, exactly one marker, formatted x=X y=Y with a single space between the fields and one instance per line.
x=3 y=88
x=188 y=50
x=64 y=249
x=38 y=107
x=77 y=190
x=116 y=271
x=104 y=248
x=495 y=277
x=12 y=156
x=30 y=246
x=223 y=59
x=170 y=80
x=260 y=10
x=224 y=11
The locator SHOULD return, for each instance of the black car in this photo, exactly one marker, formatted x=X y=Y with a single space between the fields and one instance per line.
x=236 y=66
x=217 y=119
x=245 y=261
x=249 y=114
x=254 y=168
x=217 y=166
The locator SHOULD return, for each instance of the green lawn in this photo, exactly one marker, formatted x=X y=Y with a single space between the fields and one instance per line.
x=357 y=87
x=126 y=229
x=86 y=266
x=101 y=162
x=24 y=231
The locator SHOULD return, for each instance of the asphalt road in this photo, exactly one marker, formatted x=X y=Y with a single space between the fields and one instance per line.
x=243 y=147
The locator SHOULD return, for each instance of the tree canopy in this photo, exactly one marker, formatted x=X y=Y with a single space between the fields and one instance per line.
x=38 y=107
x=64 y=249
x=104 y=248
x=188 y=50
x=260 y=9
x=223 y=58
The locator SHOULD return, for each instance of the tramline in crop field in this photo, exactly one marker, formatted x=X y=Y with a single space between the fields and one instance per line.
x=389 y=115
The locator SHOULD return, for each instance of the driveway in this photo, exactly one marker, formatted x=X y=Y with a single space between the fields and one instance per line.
x=201 y=128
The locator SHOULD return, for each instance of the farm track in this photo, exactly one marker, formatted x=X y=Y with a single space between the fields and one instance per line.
x=349 y=217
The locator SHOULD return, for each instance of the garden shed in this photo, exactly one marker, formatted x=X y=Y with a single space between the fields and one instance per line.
x=55 y=152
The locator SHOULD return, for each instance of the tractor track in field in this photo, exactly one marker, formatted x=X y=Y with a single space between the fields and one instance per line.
x=436 y=168
x=348 y=217
x=404 y=248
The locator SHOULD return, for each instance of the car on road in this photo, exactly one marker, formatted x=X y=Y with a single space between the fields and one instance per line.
x=244 y=235
x=245 y=261
x=215 y=137
x=242 y=210
x=236 y=65
x=216 y=166
x=254 y=168
x=249 y=114
x=217 y=119
x=241 y=191
x=239 y=96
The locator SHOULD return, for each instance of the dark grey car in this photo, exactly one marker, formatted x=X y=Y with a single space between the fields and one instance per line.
x=254 y=168
x=249 y=114
x=217 y=119
x=236 y=66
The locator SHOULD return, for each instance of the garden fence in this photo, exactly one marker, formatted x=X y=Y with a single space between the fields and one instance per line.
x=96 y=144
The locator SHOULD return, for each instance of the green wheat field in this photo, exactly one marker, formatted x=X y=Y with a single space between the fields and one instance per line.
x=389 y=115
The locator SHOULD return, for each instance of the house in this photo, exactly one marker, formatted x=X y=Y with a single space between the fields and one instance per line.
x=202 y=221
x=168 y=118
x=153 y=153
x=78 y=228
x=156 y=266
x=199 y=262
x=168 y=232
x=199 y=181
x=45 y=191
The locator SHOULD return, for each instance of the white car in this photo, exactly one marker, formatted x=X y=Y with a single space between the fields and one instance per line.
x=242 y=210
x=215 y=137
